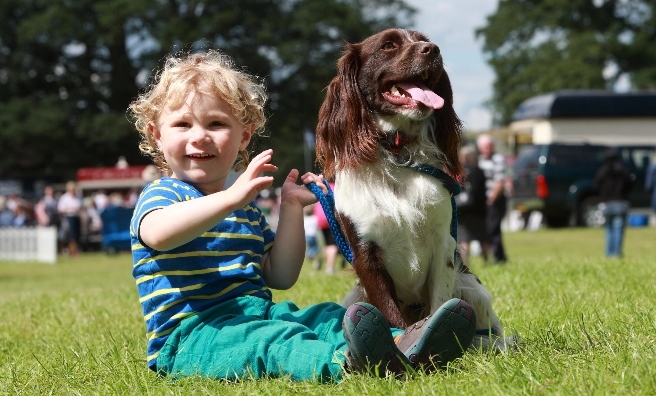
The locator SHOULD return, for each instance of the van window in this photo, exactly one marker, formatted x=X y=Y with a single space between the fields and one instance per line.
x=528 y=157
x=576 y=156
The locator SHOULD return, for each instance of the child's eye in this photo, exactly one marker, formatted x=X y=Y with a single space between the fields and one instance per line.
x=217 y=124
x=181 y=124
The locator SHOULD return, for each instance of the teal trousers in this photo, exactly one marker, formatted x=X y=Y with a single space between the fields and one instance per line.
x=250 y=337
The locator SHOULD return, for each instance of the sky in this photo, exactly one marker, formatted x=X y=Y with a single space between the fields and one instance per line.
x=451 y=25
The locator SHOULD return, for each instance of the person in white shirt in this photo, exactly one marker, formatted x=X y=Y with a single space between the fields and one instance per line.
x=69 y=207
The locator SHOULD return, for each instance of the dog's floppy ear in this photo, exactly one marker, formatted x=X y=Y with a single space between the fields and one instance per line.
x=346 y=136
x=448 y=128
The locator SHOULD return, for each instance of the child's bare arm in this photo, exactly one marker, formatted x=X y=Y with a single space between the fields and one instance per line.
x=177 y=224
x=282 y=265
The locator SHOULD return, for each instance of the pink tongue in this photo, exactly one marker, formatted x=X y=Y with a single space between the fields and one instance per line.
x=422 y=94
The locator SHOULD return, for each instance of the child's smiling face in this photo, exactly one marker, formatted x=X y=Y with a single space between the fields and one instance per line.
x=201 y=140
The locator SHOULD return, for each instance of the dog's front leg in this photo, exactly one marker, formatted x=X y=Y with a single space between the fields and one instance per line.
x=378 y=283
x=374 y=278
x=469 y=288
x=441 y=280
x=489 y=332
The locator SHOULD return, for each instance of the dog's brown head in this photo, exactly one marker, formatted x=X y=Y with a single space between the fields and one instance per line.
x=389 y=90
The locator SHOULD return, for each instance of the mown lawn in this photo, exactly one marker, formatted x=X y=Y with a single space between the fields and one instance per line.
x=588 y=326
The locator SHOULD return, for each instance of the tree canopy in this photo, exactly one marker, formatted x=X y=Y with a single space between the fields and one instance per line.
x=69 y=69
x=538 y=46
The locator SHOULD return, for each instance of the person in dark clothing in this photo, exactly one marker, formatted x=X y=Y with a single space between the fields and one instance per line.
x=494 y=166
x=613 y=183
x=471 y=203
x=46 y=209
x=650 y=182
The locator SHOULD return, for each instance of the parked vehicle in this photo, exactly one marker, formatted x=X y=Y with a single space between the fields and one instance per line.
x=557 y=180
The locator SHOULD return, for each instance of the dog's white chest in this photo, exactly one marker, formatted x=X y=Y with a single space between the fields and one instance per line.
x=407 y=214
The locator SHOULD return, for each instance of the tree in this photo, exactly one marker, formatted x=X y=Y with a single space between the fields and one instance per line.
x=69 y=69
x=65 y=81
x=537 y=46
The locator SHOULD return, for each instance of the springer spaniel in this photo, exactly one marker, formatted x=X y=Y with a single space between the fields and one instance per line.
x=391 y=107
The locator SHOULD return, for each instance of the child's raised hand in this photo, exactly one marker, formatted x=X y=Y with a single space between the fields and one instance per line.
x=250 y=183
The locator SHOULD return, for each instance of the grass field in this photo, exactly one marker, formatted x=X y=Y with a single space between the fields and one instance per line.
x=588 y=326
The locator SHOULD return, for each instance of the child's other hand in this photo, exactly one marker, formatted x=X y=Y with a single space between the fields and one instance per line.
x=316 y=179
x=250 y=183
x=294 y=193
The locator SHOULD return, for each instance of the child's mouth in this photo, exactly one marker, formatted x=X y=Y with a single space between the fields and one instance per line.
x=200 y=157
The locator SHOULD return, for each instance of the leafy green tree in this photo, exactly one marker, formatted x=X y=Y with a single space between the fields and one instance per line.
x=65 y=81
x=537 y=46
x=69 y=69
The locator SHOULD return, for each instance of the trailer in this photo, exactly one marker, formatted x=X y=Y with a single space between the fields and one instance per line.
x=588 y=116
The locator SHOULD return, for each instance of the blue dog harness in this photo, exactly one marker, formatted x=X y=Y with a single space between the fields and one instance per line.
x=327 y=202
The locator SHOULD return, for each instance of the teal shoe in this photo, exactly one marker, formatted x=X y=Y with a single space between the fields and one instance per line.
x=370 y=342
x=441 y=337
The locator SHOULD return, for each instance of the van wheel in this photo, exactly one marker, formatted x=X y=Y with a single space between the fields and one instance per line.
x=589 y=213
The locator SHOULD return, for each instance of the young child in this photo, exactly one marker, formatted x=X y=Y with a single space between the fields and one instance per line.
x=205 y=258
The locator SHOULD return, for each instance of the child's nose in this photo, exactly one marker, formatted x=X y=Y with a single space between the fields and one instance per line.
x=199 y=135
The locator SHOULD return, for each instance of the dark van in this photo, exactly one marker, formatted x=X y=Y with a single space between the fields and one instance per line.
x=557 y=180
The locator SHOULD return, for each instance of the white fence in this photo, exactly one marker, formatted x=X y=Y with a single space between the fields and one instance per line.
x=29 y=244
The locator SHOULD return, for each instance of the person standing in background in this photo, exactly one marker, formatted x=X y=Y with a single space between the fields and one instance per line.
x=613 y=183
x=46 y=209
x=494 y=167
x=650 y=182
x=100 y=200
x=471 y=203
x=69 y=207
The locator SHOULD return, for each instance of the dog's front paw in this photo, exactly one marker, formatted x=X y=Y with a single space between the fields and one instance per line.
x=486 y=340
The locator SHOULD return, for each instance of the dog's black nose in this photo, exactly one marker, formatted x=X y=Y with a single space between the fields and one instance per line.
x=428 y=48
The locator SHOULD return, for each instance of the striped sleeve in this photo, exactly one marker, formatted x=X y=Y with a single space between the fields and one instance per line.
x=155 y=196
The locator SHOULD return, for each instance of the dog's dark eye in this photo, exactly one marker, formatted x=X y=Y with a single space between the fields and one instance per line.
x=388 y=46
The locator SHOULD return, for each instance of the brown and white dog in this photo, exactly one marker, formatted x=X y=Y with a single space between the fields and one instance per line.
x=390 y=105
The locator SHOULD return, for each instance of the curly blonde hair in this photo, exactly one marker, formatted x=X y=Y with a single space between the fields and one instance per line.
x=211 y=73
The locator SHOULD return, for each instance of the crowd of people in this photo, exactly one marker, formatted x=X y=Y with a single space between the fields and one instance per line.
x=75 y=215
x=15 y=211
x=482 y=205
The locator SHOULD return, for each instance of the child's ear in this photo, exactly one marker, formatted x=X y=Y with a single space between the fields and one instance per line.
x=249 y=130
x=154 y=132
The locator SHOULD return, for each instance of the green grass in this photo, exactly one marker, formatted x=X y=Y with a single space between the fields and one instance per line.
x=588 y=326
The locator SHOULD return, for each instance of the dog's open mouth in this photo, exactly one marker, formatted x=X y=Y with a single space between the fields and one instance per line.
x=410 y=94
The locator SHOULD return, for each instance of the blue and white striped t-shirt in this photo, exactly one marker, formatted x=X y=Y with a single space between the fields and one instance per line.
x=221 y=264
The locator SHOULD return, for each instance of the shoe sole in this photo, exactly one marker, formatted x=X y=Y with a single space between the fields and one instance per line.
x=369 y=339
x=448 y=333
